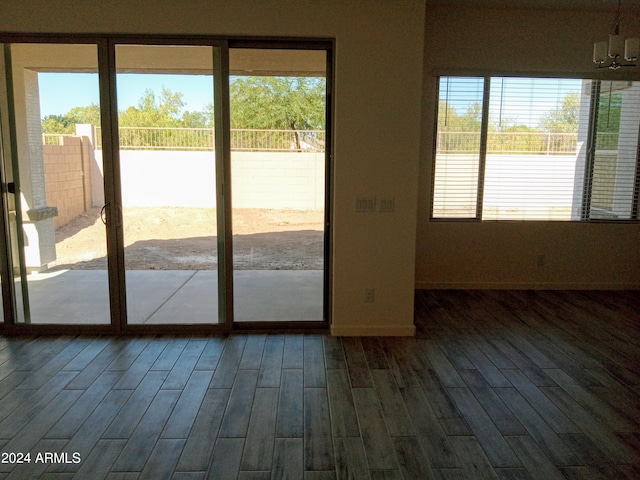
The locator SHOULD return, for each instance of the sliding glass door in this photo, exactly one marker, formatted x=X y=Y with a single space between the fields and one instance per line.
x=56 y=193
x=154 y=184
x=278 y=102
x=167 y=164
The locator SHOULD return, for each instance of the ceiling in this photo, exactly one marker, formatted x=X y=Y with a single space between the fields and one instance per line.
x=542 y=4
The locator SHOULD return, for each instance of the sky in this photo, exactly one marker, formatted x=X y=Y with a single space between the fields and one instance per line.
x=523 y=100
x=59 y=92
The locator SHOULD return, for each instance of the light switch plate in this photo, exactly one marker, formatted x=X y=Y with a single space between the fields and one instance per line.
x=365 y=204
x=387 y=204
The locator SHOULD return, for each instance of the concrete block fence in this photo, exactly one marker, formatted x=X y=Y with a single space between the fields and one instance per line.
x=274 y=180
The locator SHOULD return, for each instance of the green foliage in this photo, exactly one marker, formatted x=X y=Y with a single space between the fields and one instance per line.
x=57 y=124
x=609 y=111
x=510 y=141
x=164 y=110
x=507 y=135
x=197 y=119
x=296 y=103
x=450 y=120
x=67 y=123
x=563 y=119
x=90 y=114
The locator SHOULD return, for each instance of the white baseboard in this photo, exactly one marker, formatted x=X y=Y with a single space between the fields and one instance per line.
x=365 y=331
x=524 y=286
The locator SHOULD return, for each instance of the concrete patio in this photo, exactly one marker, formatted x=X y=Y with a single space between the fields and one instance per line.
x=176 y=296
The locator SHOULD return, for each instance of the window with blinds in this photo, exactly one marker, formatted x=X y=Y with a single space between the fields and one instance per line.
x=455 y=192
x=511 y=148
x=612 y=188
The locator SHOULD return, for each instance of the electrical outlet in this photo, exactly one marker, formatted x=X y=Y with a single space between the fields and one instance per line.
x=369 y=295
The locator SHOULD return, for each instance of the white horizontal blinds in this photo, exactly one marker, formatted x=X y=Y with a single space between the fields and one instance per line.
x=457 y=156
x=533 y=147
x=556 y=149
x=614 y=193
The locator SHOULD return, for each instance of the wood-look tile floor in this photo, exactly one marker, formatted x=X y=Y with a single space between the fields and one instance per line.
x=496 y=385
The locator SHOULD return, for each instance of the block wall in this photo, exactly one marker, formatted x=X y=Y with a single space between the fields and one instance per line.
x=68 y=184
x=278 y=180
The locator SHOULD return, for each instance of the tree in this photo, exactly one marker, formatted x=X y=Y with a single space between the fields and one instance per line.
x=515 y=138
x=154 y=111
x=67 y=123
x=89 y=114
x=57 y=124
x=609 y=110
x=450 y=120
x=198 y=119
x=163 y=110
x=279 y=103
x=459 y=132
x=565 y=118
x=608 y=125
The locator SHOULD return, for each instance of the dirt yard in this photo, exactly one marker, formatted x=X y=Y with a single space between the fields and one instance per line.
x=177 y=238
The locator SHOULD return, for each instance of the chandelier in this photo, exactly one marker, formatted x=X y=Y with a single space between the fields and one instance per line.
x=617 y=49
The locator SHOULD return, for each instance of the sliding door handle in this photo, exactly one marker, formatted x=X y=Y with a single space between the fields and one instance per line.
x=104 y=215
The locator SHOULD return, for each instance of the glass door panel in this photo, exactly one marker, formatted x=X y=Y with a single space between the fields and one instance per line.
x=278 y=112
x=58 y=234
x=5 y=266
x=11 y=268
x=14 y=271
x=168 y=183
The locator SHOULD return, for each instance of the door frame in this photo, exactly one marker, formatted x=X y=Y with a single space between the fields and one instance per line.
x=298 y=44
x=106 y=44
x=111 y=159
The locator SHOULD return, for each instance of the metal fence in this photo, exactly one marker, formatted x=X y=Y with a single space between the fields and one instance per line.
x=543 y=143
x=251 y=140
x=53 y=138
x=135 y=138
x=277 y=140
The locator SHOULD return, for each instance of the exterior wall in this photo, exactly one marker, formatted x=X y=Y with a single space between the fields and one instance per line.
x=506 y=254
x=68 y=187
x=504 y=201
x=35 y=178
x=165 y=178
x=278 y=180
x=95 y=171
x=38 y=227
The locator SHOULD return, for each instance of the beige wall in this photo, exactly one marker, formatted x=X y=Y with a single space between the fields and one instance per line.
x=387 y=55
x=507 y=255
x=378 y=89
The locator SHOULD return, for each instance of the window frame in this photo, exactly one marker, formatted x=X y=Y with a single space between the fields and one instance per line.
x=587 y=190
